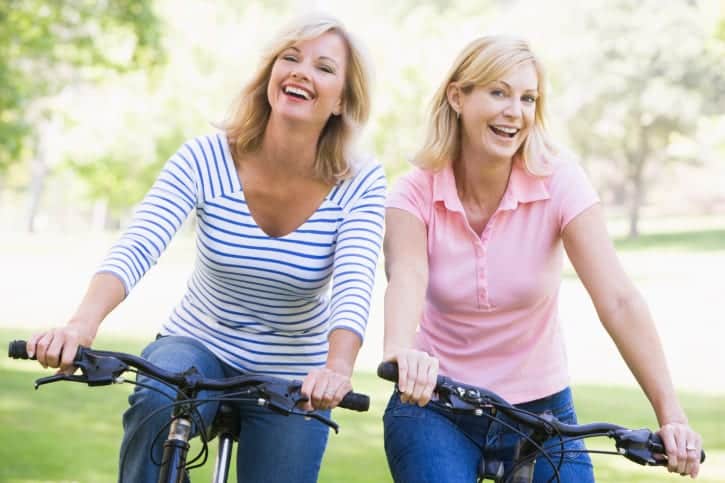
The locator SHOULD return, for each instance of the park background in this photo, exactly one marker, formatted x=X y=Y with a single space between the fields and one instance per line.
x=96 y=95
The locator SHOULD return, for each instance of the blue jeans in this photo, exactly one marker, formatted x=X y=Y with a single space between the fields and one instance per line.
x=429 y=445
x=272 y=447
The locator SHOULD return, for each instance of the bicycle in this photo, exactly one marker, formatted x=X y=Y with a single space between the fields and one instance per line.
x=102 y=368
x=638 y=445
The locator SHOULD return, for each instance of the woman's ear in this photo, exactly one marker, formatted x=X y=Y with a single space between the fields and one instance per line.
x=455 y=97
x=337 y=110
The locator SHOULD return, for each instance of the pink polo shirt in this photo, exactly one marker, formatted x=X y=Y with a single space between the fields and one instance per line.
x=491 y=310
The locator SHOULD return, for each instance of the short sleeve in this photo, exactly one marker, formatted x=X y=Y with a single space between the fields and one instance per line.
x=413 y=193
x=571 y=191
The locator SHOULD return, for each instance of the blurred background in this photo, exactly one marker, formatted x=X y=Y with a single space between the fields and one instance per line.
x=96 y=95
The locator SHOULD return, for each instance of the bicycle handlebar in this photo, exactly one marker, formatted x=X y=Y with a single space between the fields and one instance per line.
x=103 y=367
x=639 y=445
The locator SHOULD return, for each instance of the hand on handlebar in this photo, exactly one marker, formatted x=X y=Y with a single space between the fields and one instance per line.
x=683 y=446
x=417 y=375
x=57 y=347
x=325 y=388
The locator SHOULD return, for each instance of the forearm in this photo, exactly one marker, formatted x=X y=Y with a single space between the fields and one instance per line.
x=631 y=327
x=343 y=348
x=403 y=310
x=104 y=293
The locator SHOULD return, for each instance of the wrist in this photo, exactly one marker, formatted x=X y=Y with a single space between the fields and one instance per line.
x=86 y=330
x=340 y=366
x=675 y=415
x=391 y=350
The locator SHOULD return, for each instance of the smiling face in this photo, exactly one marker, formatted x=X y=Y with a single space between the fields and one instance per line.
x=496 y=117
x=307 y=79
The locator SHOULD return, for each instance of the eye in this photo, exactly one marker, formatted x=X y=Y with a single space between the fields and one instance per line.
x=326 y=68
x=289 y=58
x=529 y=99
x=497 y=93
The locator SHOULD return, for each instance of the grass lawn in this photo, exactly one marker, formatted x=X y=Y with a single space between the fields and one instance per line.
x=70 y=433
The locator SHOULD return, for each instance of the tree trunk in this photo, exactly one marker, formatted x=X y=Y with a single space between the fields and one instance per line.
x=38 y=172
x=46 y=128
x=637 y=161
x=634 y=207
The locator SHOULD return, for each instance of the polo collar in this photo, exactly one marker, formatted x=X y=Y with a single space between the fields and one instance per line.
x=523 y=187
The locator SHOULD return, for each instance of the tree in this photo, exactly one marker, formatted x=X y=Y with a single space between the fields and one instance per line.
x=650 y=74
x=46 y=46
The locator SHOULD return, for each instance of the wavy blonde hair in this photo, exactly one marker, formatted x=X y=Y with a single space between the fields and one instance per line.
x=485 y=60
x=250 y=112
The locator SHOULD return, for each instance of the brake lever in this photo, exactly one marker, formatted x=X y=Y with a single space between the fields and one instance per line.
x=59 y=377
x=320 y=418
x=96 y=370
x=285 y=398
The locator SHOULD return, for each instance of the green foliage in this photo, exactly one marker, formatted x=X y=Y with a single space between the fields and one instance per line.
x=120 y=178
x=48 y=45
x=657 y=74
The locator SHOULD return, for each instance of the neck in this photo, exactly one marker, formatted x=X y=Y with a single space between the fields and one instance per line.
x=480 y=178
x=289 y=147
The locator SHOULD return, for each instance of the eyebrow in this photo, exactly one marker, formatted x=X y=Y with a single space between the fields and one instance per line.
x=322 y=57
x=509 y=86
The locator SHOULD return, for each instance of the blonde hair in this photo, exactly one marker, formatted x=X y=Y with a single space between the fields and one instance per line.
x=250 y=113
x=483 y=61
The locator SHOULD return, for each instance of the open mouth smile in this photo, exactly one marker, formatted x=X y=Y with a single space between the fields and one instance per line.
x=297 y=92
x=504 y=131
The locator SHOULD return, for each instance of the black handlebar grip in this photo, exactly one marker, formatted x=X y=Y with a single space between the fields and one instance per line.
x=355 y=401
x=657 y=440
x=388 y=370
x=17 y=349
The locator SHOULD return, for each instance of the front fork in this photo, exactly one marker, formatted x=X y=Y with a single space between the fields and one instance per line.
x=173 y=462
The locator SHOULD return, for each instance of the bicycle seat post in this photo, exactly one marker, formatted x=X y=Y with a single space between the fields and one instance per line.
x=226 y=426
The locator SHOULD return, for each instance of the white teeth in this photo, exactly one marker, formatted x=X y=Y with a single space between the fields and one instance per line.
x=298 y=91
x=507 y=130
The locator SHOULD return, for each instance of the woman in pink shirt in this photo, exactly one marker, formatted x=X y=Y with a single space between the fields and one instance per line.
x=474 y=245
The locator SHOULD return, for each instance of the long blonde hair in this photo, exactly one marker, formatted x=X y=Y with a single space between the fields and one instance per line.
x=485 y=60
x=246 y=125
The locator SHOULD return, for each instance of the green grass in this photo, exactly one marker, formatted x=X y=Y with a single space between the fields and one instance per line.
x=69 y=432
x=683 y=241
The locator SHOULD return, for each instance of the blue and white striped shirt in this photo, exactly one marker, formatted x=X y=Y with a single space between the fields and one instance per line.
x=262 y=304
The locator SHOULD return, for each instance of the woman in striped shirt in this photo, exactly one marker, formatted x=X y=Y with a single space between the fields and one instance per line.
x=288 y=235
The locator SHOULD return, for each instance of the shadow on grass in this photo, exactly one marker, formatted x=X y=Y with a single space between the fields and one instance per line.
x=690 y=241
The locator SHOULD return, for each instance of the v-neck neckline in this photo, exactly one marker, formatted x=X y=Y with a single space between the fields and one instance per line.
x=240 y=187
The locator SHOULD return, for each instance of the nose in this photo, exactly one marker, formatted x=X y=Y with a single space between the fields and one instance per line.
x=300 y=72
x=514 y=108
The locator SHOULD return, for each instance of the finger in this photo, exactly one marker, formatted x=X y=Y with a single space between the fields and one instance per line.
x=693 y=454
x=67 y=356
x=308 y=385
x=403 y=375
x=334 y=392
x=668 y=440
x=340 y=393
x=30 y=345
x=430 y=384
x=320 y=396
x=681 y=437
x=41 y=348
x=53 y=353
x=420 y=380
x=326 y=396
